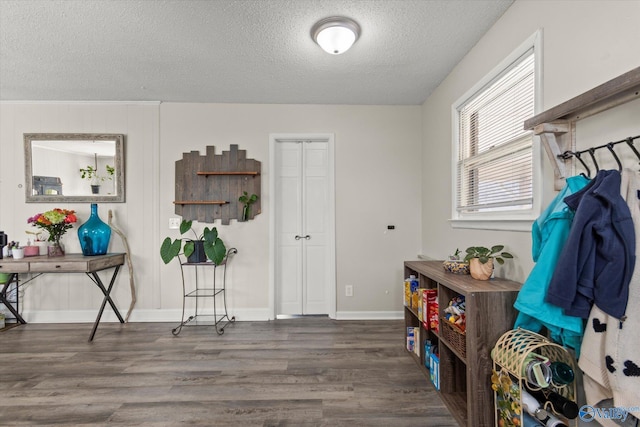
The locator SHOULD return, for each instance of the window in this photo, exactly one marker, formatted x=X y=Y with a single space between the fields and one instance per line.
x=494 y=157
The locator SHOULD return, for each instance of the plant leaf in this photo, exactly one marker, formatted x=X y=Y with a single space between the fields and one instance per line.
x=483 y=259
x=169 y=250
x=189 y=247
x=210 y=235
x=497 y=248
x=506 y=255
x=499 y=260
x=215 y=250
x=185 y=226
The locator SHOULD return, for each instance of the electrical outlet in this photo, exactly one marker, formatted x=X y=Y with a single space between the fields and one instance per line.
x=348 y=291
x=174 y=223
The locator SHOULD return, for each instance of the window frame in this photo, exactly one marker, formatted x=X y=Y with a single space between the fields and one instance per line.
x=516 y=220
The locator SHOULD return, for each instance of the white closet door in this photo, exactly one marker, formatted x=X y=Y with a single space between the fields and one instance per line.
x=303 y=255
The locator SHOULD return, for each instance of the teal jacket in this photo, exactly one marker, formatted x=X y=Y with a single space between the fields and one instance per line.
x=549 y=234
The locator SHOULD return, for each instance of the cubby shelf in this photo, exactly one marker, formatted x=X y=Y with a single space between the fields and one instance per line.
x=465 y=382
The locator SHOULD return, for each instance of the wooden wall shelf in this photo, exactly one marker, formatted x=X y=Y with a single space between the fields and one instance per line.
x=200 y=202
x=250 y=173
x=557 y=125
x=208 y=187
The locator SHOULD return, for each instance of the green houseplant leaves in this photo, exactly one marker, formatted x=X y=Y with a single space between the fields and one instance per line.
x=214 y=247
x=484 y=254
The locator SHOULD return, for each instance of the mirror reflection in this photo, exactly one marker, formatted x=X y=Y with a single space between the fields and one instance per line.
x=74 y=167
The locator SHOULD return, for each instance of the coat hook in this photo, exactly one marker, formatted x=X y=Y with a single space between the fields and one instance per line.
x=613 y=153
x=633 y=147
x=578 y=156
x=593 y=157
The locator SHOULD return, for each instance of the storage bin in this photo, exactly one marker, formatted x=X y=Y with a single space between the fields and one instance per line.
x=454 y=336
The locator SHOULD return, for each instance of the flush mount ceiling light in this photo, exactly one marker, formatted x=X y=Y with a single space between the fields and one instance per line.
x=335 y=34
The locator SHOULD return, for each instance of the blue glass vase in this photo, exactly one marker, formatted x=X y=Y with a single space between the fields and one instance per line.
x=94 y=234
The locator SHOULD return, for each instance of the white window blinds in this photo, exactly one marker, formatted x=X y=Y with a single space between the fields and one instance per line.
x=494 y=164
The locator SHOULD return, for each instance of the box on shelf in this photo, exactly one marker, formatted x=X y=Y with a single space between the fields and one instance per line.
x=411 y=285
x=434 y=370
x=427 y=354
x=430 y=309
x=411 y=338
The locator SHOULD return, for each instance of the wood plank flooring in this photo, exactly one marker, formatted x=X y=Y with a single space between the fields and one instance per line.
x=297 y=372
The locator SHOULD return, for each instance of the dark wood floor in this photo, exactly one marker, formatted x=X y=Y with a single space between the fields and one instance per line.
x=299 y=372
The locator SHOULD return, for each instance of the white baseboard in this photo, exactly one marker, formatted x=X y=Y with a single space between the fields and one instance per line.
x=163 y=315
x=369 y=315
x=174 y=315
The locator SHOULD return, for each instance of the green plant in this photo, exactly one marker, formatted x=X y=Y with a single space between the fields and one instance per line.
x=247 y=201
x=91 y=173
x=484 y=254
x=455 y=256
x=214 y=247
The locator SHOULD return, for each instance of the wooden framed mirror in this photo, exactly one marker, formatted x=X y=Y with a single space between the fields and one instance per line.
x=74 y=167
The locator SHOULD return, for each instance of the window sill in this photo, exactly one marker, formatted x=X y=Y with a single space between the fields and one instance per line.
x=494 y=224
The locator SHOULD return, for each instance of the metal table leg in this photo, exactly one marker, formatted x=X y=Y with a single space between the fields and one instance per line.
x=107 y=298
x=5 y=301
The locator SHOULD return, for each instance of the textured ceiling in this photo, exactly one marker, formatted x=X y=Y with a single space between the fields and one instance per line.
x=233 y=51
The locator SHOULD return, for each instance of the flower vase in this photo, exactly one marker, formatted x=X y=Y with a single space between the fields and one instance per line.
x=94 y=234
x=55 y=249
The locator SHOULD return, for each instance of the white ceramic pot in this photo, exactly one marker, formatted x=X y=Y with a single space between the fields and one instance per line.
x=18 y=253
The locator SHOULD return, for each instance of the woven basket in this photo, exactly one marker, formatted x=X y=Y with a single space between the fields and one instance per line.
x=512 y=349
x=454 y=336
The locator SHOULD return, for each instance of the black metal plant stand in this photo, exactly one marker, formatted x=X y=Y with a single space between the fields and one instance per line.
x=200 y=317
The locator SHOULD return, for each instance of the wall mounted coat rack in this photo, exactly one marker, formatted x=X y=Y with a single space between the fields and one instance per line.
x=208 y=187
x=557 y=126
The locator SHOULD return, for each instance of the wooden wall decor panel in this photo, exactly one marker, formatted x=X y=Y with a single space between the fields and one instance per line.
x=207 y=187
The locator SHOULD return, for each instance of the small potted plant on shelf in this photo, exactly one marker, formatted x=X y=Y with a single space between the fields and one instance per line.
x=481 y=260
x=91 y=173
x=205 y=246
x=247 y=201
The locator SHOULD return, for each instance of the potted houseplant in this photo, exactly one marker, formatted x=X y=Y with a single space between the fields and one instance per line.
x=481 y=260
x=205 y=246
x=247 y=200
x=91 y=173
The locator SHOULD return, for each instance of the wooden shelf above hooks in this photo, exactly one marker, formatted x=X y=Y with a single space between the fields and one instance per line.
x=556 y=126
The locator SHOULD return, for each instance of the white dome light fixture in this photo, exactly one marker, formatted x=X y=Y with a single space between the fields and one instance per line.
x=336 y=34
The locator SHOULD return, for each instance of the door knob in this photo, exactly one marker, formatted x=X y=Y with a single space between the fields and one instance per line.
x=307 y=237
x=298 y=237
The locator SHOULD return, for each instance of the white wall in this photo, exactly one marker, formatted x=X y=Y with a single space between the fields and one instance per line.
x=377 y=183
x=586 y=43
x=71 y=297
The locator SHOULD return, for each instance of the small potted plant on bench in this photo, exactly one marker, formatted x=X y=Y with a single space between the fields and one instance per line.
x=481 y=260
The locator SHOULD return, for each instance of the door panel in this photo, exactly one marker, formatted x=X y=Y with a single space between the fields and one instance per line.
x=289 y=271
